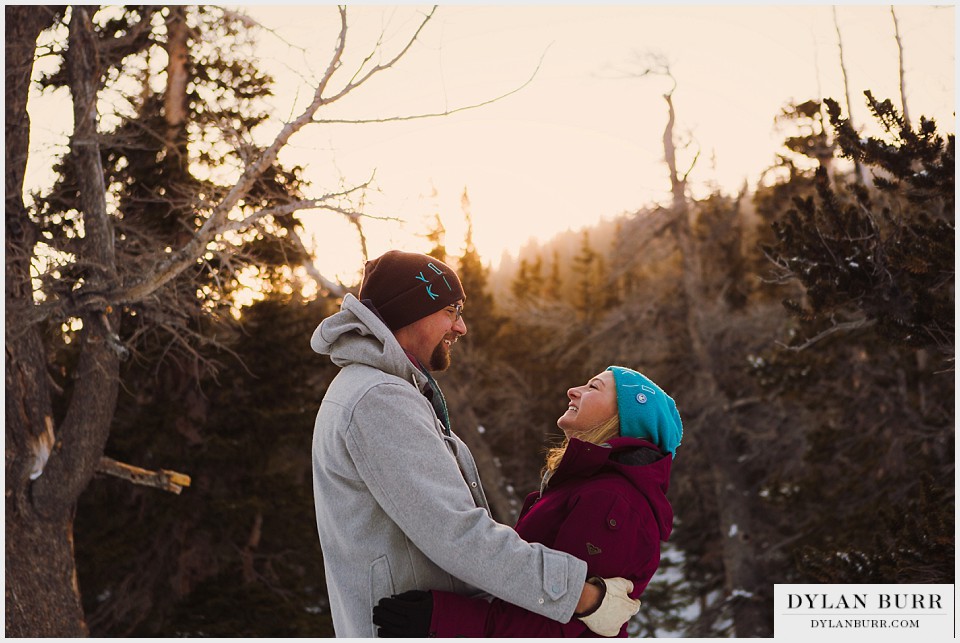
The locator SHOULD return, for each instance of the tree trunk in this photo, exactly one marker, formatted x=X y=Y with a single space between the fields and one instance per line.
x=903 y=82
x=178 y=75
x=42 y=596
x=41 y=587
x=857 y=169
x=678 y=186
x=742 y=569
x=45 y=480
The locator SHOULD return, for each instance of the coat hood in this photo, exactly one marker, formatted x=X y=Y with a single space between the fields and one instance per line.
x=583 y=459
x=356 y=335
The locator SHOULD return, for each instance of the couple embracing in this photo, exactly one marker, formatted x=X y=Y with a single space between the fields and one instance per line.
x=409 y=545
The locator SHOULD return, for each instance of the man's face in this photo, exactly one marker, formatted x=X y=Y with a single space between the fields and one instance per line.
x=430 y=338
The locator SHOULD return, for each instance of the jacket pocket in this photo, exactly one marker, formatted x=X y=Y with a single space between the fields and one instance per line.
x=618 y=515
x=381 y=584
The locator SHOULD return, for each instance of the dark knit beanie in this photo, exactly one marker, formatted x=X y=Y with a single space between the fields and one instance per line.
x=407 y=286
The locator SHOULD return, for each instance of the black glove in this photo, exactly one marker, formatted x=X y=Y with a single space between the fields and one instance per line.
x=405 y=615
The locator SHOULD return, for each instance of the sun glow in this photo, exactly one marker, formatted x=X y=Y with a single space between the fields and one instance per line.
x=583 y=140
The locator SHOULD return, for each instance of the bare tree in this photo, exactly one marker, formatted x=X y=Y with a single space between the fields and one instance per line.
x=52 y=456
x=858 y=171
x=707 y=403
x=656 y=64
x=903 y=87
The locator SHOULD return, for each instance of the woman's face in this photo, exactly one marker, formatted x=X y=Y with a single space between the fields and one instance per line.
x=590 y=405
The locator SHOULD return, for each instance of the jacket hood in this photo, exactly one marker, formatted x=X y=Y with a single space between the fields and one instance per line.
x=583 y=459
x=356 y=335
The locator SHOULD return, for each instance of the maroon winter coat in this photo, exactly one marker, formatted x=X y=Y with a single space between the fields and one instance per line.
x=601 y=505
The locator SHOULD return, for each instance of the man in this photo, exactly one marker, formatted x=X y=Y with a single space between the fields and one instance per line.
x=398 y=496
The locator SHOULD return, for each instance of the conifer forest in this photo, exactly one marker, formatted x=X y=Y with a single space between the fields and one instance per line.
x=158 y=425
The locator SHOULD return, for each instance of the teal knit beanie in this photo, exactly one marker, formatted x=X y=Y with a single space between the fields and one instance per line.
x=646 y=411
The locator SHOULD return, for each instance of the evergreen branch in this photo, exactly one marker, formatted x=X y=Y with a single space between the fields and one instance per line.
x=127 y=43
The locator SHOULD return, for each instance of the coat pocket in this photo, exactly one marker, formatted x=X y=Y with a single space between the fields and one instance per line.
x=618 y=515
x=381 y=584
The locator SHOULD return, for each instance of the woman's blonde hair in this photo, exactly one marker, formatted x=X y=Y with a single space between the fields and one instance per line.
x=597 y=435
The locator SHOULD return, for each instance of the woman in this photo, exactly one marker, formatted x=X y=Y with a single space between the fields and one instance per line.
x=602 y=499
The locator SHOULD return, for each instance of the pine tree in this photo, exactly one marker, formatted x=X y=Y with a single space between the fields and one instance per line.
x=876 y=269
x=437 y=235
x=480 y=308
x=883 y=258
x=553 y=290
x=521 y=284
x=587 y=297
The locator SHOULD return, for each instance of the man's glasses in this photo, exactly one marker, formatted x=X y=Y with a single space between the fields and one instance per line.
x=457 y=310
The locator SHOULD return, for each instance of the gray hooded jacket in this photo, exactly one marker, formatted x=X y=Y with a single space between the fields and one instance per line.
x=399 y=504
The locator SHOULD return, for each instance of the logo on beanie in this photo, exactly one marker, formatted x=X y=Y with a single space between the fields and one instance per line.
x=430 y=292
x=640 y=396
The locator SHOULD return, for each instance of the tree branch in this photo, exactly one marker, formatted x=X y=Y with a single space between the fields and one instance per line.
x=353 y=84
x=449 y=112
x=163 y=479
x=845 y=326
x=180 y=260
x=322 y=282
x=173 y=264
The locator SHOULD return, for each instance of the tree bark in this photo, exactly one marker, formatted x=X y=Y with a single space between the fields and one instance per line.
x=41 y=587
x=84 y=430
x=178 y=75
x=43 y=596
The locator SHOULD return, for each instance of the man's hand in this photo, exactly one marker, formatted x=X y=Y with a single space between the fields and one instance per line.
x=614 y=609
x=405 y=615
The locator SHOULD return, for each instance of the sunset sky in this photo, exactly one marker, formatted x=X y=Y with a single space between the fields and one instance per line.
x=583 y=140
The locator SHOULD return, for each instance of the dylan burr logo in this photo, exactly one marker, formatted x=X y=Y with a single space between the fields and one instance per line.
x=864 y=612
x=858 y=600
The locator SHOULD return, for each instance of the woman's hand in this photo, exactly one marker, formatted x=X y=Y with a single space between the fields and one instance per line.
x=404 y=615
x=615 y=608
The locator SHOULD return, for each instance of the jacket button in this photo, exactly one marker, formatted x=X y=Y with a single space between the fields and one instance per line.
x=613 y=523
x=540 y=601
x=473 y=484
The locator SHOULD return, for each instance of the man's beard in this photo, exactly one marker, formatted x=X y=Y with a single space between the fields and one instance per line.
x=440 y=358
